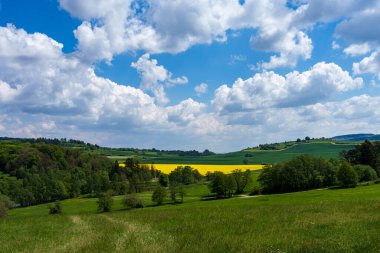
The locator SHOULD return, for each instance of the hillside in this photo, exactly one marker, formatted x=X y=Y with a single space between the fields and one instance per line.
x=324 y=149
x=340 y=220
x=357 y=137
x=283 y=151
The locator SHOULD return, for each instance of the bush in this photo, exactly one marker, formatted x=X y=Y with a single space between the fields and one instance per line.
x=365 y=173
x=56 y=208
x=5 y=205
x=257 y=190
x=105 y=202
x=159 y=195
x=132 y=202
x=347 y=175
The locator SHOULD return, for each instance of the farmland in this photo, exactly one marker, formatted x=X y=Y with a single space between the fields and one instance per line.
x=325 y=149
x=339 y=220
x=204 y=168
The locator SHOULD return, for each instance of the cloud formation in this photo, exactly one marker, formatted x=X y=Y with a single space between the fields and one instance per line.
x=268 y=89
x=155 y=77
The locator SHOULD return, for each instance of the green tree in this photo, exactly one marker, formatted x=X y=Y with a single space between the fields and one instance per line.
x=222 y=185
x=163 y=180
x=347 y=175
x=365 y=172
x=105 y=202
x=241 y=179
x=159 y=195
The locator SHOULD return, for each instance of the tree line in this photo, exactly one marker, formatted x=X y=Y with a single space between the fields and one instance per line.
x=306 y=172
x=37 y=173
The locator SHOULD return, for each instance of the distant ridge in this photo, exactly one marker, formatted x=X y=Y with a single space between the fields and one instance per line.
x=357 y=137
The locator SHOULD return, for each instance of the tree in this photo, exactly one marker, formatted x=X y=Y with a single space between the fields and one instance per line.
x=298 y=140
x=222 y=185
x=159 y=195
x=241 y=179
x=367 y=153
x=176 y=190
x=163 y=179
x=347 y=175
x=307 y=138
x=365 y=173
x=377 y=165
x=105 y=202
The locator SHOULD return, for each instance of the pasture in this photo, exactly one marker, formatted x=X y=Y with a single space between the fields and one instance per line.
x=328 y=220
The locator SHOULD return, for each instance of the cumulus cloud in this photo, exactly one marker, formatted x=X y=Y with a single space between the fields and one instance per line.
x=201 y=89
x=113 y=27
x=268 y=89
x=357 y=49
x=155 y=77
x=370 y=64
x=44 y=92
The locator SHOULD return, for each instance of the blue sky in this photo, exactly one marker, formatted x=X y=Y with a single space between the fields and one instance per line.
x=222 y=75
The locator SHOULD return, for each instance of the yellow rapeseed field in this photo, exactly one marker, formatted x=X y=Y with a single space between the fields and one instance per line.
x=203 y=168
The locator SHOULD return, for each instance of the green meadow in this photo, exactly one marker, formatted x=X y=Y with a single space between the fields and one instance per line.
x=327 y=220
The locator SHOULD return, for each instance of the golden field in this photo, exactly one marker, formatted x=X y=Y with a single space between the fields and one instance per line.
x=204 y=168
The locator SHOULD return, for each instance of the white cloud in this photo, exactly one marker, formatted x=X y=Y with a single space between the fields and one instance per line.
x=235 y=58
x=357 y=49
x=113 y=27
x=53 y=94
x=335 y=45
x=363 y=26
x=155 y=77
x=268 y=89
x=370 y=64
x=201 y=89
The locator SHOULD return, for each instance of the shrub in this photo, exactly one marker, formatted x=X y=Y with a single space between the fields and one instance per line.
x=347 y=175
x=56 y=208
x=365 y=173
x=5 y=205
x=159 y=195
x=105 y=202
x=132 y=202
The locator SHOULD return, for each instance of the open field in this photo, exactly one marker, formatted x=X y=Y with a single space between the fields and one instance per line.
x=324 y=149
x=340 y=220
x=204 y=168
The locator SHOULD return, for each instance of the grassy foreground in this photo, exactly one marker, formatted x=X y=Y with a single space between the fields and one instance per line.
x=342 y=220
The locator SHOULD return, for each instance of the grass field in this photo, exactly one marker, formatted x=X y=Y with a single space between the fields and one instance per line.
x=340 y=220
x=324 y=149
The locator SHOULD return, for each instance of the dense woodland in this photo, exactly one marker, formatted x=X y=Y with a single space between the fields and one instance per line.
x=37 y=173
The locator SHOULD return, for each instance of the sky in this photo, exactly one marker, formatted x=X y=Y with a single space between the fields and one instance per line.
x=222 y=75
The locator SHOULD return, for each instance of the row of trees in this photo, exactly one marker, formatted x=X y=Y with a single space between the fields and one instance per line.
x=307 y=172
x=225 y=185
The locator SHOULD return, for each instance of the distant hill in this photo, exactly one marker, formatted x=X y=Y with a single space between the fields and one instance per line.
x=357 y=137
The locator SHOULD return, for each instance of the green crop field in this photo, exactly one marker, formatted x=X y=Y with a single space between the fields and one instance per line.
x=323 y=149
x=339 y=220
